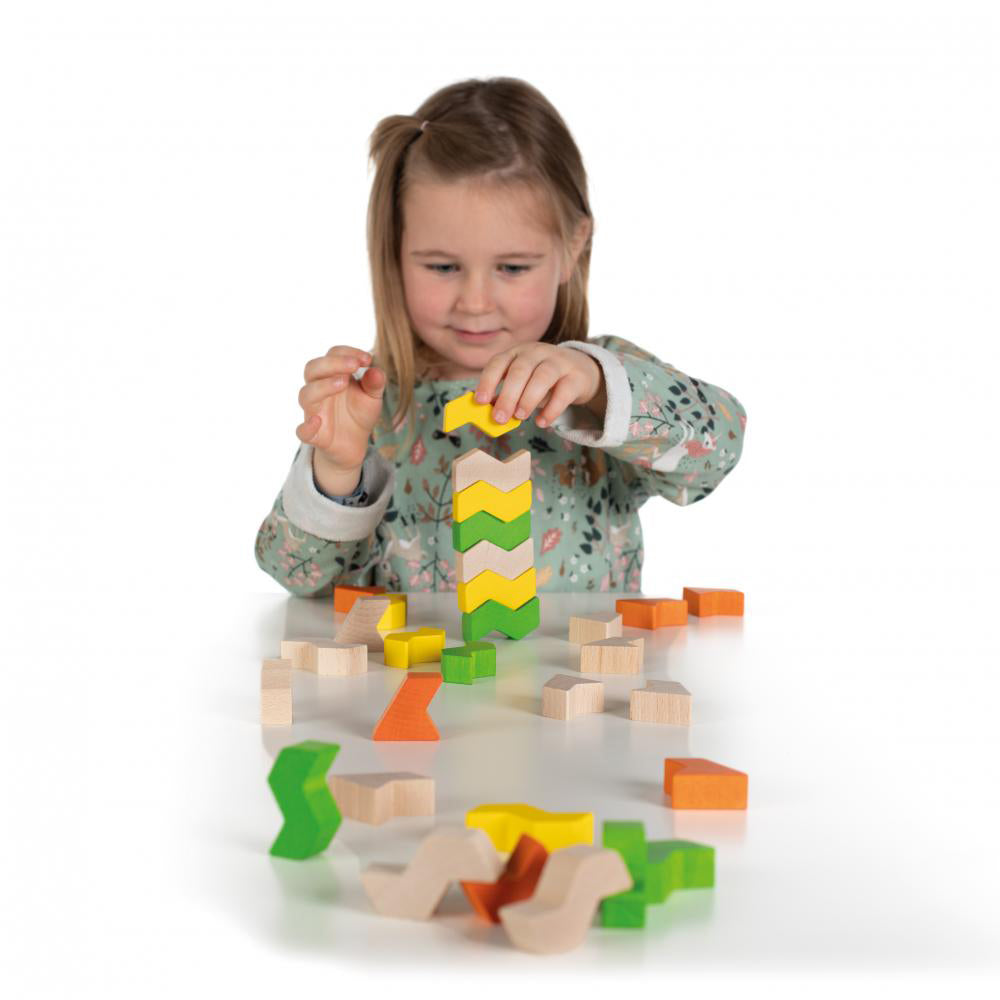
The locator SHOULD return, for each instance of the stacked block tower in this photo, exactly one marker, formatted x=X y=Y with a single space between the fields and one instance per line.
x=491 y=532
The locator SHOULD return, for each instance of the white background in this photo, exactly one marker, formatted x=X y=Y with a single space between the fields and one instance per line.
x=795 y=201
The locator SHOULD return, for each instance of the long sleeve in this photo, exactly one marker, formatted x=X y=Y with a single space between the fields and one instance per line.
x=310 y=542
x=671 y=435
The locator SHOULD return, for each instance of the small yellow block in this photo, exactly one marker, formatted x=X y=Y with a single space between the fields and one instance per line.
x=490 y=586
x=482 y=496
x=395 y=616
x=403 y=649
x=465 y=410
x=504 y=824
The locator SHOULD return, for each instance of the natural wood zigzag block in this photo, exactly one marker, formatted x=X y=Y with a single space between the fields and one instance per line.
x=486 y=556
x=704 y=602
x=486 y=499
x=505 y=822
x=565 y=697
x=516 y=882
x=276 y=693
x=559 y=914
x=661 y=701
x=490 y=586
x=345 y=594
x=445 y=856
x=378 y=798
x=326 y=657
x=696 y=783
x=465 y=410
x=477 y=466
x=611 y=656
x=405 y=717
x=590 y=628
x=361 y=623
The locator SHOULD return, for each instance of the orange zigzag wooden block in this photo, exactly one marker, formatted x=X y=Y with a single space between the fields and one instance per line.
x=405 y=717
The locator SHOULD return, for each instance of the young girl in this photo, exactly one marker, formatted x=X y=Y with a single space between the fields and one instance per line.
x=479 y=237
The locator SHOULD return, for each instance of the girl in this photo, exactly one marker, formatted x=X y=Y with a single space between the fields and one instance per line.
x=479 y=238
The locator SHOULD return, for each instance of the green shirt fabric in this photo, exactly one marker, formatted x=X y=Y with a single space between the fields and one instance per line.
x=664 y=434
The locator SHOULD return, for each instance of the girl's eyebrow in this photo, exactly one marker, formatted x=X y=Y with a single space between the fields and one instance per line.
x=444 y=253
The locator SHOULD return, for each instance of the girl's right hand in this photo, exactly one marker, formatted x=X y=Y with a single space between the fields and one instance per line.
x=340 y=411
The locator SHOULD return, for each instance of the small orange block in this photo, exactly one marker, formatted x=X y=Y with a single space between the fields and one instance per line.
x=696 y=783
x=703 y=602
x=517 y=881
x=345 y=594
x=652 y=612
x=405 y=717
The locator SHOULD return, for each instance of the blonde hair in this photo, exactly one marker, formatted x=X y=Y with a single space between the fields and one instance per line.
x=502 y=131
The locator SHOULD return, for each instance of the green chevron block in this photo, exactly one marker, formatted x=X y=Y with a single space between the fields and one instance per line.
x=298 y=781
x=463 y=664
x=678 y=864
x=506 y=534
x=493 y=616
x=627 y=909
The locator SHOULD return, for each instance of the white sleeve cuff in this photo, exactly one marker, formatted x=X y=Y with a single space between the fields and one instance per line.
x=309 y=510
x=578 y=424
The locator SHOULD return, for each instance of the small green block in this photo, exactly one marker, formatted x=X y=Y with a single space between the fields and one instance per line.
x=298 y=781
x=491 y=615
x=678 y=864
x=463 y=664
x=506 y=534
x=626 y=909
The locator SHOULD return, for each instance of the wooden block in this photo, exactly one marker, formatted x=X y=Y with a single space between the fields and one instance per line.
x=558 y=915
x=326 y=657
x=345 y=594
x=505 y=822
x=655 y=612
x=445 y=856
x=490 y=586
x=483 y=498
x=464 y=664
x=378 y=798
x=696 y=783
x=493 y=616
x=516 y=882
x=485 y=527
x=476 y=466
x=487 y=556
x=298 y=783
x=594 y=627
x=465 y=410
x=395 y=616
x=704 y=602
x=276 y=693
x=361 y=623
x=404 y=649
x=661 y=701
x=611 y=656
x=405 y=717
x=565 y=697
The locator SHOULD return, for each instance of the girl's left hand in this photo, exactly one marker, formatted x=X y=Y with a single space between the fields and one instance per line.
x=539 y=374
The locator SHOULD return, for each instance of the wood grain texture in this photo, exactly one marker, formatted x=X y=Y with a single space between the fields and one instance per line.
x=276 y=693
x=476 y=466
x=565 y=697
x=362 y=620
x=405 y=717
x=326 y=657
x=487 y=556
x=611 y=656
x=667 y=702
x=591 y=628
x=377 y=798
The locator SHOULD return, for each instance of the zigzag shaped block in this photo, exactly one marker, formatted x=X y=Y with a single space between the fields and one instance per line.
x=485 y=527
x=405 y=717
x=463 y=664
x=404 y=649
x=465 y=410
x=505 y=822
x=298 y=781
x=493 y=616
x=517 y=881
x=485 y=555
x=477 y=466
x=488 y=585
x=483 y=497
x=697 y=783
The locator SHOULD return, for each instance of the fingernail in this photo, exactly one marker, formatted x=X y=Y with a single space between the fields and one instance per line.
x=499 y=416
x=481 y=396
x=542 y=422
x=520 y=413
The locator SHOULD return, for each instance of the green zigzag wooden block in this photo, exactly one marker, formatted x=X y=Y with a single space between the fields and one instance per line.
x=463 y=664
x=506 y=534
x=494 y=616
x=298 y=781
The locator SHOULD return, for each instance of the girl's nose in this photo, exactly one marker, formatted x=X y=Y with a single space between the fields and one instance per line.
x=474 y=295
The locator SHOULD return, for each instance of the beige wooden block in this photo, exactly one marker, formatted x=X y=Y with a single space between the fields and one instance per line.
x=591 y=628
x=477 y=466
x=361 y=621
x=485 y=555
x=661 y=701
x=326 y=657
x=559 y=914
x=447 y=855
x=296 y=651
x=611 y=656
x=276 y=693
x=565 y=697
x=378 y=798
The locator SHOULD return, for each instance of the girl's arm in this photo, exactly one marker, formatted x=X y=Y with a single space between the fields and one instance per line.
x=310 y=542
x=674 y=436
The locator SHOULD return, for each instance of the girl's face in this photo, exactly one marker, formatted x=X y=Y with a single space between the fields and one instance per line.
x=480 y=274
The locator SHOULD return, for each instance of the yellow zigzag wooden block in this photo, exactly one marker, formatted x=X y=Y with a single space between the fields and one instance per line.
x=465 y=410
x=476 y=466
x=483 y=497
x=505 y=822
x=485 y=556
x=490 y=586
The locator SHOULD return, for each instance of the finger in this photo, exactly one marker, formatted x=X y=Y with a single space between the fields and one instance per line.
x=542 y=380
x=563 y=393
x=337 y=359
x=315 y=392
x=491 y=374
x=308 y=429
x=373 y=382
x=514 y=381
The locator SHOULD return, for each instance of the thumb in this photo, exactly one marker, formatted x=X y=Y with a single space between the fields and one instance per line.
x=373 y=382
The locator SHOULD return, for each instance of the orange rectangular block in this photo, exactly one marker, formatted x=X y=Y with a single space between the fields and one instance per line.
x=345 y=594
x=696 y=783
x=703 y=602
x=405 y=717
x=652 y=612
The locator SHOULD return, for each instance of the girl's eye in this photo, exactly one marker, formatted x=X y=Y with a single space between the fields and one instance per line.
x=516 y=268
